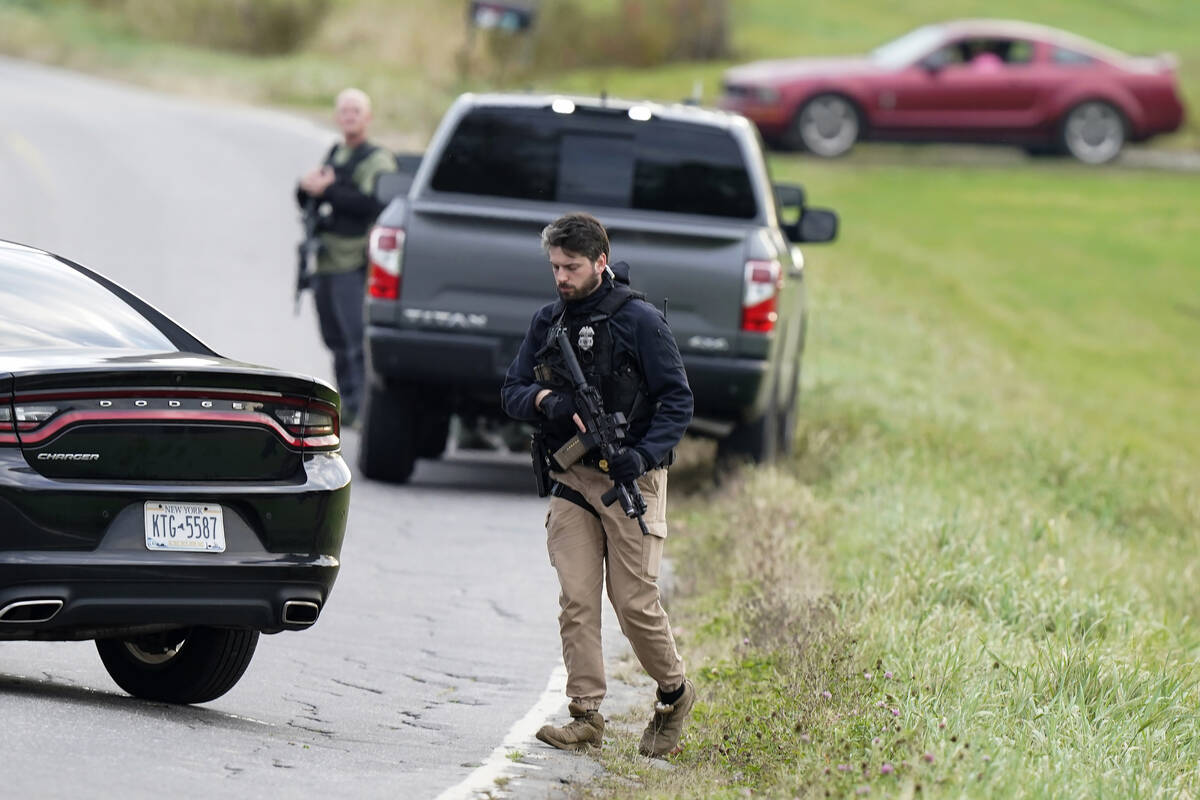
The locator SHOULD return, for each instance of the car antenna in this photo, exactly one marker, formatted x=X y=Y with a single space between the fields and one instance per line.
x=603 y=98
x=664 y=307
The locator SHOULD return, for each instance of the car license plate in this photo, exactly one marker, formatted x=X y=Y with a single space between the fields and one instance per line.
x=185 y=526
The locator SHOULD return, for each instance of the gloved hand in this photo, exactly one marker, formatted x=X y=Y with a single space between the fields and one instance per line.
x=558 y=405
x=627 y=466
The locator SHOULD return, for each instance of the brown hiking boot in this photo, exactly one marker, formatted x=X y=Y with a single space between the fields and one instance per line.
x=584 y=731
x=661 y=737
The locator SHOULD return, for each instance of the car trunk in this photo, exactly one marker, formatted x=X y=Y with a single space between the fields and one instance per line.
x=172 y=418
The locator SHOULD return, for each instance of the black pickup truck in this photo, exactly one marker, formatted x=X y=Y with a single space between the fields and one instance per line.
x=456 y=267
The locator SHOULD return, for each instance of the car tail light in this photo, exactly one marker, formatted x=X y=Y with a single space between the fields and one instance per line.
x=302 y=422
x=317 y=425
x=760 y=300
x=385 y=255
x=8 y=430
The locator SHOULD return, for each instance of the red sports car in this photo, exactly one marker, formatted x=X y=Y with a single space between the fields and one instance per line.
x=971 y=80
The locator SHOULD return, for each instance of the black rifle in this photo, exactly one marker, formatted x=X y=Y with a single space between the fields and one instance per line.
x=307 y=251
x=607 y=430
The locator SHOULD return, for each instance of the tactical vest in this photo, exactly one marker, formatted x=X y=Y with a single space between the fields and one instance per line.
x=615 y=374
x=342 y=223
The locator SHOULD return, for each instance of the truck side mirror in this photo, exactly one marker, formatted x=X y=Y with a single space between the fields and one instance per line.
x=390 y=185
x=816 y=225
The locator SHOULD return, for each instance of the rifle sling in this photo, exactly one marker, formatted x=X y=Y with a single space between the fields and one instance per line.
x=572 y=496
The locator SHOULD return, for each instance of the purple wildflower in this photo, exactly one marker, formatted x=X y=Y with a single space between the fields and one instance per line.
x=886 y=769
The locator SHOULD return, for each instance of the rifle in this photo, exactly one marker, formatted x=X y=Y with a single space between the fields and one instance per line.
x=307 y=251
x=606 y=430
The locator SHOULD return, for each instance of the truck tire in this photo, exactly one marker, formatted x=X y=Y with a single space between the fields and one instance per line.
x=787 y=419
x=191 y=666
x=756 y=441
x=388 y=448
x=433 y=433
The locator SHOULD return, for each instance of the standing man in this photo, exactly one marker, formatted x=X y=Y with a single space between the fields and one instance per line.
x=629 y=355
x=343 y=190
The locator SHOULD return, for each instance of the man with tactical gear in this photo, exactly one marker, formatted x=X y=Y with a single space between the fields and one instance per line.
x=628 y=354
x=341 y=191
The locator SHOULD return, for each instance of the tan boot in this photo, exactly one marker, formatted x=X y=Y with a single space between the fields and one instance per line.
x=584 y=731
x=662 y=735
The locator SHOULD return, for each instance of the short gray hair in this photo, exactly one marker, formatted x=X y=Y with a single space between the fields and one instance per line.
x=578 y=233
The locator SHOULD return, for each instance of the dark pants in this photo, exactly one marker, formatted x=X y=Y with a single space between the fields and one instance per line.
x=340 y=309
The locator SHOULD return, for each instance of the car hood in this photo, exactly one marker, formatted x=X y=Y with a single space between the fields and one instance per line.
x=781 y=71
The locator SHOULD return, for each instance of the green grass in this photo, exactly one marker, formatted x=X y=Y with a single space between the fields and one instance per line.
x=994 y=499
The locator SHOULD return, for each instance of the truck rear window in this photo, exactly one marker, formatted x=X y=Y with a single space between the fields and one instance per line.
x=591 y=158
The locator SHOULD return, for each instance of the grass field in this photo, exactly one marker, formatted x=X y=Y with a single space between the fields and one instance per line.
x=975 y=578
x=992 y=521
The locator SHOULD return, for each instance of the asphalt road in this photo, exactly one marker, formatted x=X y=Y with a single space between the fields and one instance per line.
x=441 y=632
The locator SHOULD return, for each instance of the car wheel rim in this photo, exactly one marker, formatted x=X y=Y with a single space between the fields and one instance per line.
x=153 y=653
x=1094 y=133
x=828 y=126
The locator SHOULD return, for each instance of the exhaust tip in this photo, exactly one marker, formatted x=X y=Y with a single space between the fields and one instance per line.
x=300 y=612
x=30 y=611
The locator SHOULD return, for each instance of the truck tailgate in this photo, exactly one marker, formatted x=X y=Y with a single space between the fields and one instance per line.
x=481 y=268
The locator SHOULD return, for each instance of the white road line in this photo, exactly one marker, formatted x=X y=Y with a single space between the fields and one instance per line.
x=520 y=734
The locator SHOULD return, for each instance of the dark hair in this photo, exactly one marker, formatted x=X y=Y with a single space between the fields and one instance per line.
x=578 y=233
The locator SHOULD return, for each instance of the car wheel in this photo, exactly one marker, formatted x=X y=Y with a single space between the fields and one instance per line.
x=388 y=447
x=828 y=126
x=1093 y=132
x=189 y=666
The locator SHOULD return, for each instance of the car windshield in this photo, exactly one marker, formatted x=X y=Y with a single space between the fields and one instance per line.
x=45 y=303
x=908 y=48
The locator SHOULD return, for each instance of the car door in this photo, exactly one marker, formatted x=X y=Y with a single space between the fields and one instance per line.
x=968 y=88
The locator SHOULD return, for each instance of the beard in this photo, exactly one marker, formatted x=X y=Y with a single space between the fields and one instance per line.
x=586 y=288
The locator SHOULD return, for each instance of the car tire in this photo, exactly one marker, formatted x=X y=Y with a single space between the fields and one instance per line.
x=388 y=446
x=1094 y=132
x=828 y=125
x=195 y=665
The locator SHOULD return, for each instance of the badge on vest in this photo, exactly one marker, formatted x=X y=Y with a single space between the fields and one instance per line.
x=587 y=337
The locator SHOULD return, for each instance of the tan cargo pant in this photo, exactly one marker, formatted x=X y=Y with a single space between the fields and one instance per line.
x=581 y=546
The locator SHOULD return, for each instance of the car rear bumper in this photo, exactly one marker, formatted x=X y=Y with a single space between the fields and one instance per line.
x=110 y=597
x=84 y=543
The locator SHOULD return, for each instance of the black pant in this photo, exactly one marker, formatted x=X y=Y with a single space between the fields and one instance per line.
x=340 y=309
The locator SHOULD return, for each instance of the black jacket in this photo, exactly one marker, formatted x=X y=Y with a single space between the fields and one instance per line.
x=637 y=328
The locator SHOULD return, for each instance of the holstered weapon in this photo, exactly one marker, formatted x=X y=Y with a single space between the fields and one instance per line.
x=541 y=464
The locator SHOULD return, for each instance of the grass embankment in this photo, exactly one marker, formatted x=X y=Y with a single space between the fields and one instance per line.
x=977 y=575
x=406 y=55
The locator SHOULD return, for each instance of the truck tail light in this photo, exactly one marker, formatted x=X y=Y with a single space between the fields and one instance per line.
x=760 y=300
x=385 y=256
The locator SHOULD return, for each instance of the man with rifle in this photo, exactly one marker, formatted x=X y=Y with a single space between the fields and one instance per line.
x=600 y=374
x=339 y=207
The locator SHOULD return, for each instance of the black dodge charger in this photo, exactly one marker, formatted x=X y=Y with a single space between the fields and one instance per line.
x=164 y=501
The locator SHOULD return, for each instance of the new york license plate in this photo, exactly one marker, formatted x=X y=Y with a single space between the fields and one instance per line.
x=185 y=526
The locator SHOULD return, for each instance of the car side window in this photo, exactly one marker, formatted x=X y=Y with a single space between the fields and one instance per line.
x=45 y=303
x=1070 y=58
